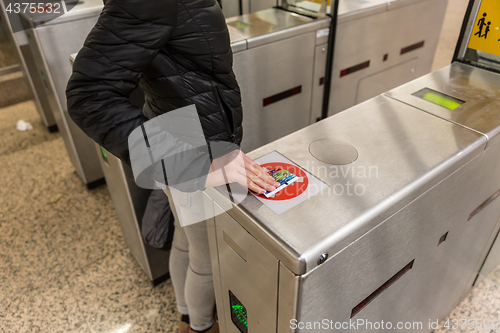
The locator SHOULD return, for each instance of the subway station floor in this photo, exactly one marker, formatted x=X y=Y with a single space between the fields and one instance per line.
x=64 y=266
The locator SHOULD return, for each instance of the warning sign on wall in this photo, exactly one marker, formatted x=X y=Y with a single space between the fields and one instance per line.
x=485 y=34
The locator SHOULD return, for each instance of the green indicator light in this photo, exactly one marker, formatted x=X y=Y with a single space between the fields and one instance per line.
x=241 y=314
x=435 y=97
x=441 y=101
x=241 y=25
x=103 y=151
x=238 y=313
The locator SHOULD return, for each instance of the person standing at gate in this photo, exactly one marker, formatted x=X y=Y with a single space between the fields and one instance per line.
x=179 y=51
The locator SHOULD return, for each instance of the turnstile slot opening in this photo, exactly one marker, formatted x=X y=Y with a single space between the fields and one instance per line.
x=484 y=204
x=238 y=313
x=412 y=47
x=443 y=238
x=282 y=95
x=355 y=68
x=381 y=289
x=232 y=244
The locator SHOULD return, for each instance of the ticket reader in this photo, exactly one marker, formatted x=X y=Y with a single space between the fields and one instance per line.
x=51 y=42
x=396 y=212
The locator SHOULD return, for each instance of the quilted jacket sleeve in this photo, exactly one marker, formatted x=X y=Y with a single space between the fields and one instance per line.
x=126 y=38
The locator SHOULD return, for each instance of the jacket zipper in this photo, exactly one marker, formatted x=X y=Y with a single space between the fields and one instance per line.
x=224 y=115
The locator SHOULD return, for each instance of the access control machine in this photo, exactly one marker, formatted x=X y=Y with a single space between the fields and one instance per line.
x=396 y=209
x=51 y=42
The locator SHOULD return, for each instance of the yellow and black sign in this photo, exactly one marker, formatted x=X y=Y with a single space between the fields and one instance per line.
x=485 y=34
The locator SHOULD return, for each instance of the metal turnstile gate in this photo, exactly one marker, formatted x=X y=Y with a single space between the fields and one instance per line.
x=28 y=66
x=396 y=212
x=130 y=203
x=280 y=60
x=51 y=43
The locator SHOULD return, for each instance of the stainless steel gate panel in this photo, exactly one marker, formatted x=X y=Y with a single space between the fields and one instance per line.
x=372 y=40
x=273 y=56
x=385 y=80
x=401 y=141
x=232 y=8
x=320 y=55
x=419 y=262
x=271 y=25
x=130 y=202
x=20 y=43
x=288 y=290
x=287 y=65
x=441 y=272
x=51 y=44
x=492 y=260
x=479 y=89
x=243 y=260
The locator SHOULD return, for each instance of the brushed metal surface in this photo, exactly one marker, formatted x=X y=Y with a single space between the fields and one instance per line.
x=20 y=43
x=479 y=89
x=378 y=83
x=493 y=259
x=440 y=275
x=355 y=9
x=124 y=207
x=214 y=258
x=266 y=71
x=406 y=22
x=271 y=25
x=81 y=10
x=407 y=151
x=288 y=289
x=320 y=55
x=41 y=101
x=266 y=22
x=230 y=8
x=51 y=46
x=257 y=5
x=247 y=279
x=130 y=202
x=333 y=151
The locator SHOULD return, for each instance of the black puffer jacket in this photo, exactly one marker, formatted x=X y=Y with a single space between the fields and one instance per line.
x=179 y=51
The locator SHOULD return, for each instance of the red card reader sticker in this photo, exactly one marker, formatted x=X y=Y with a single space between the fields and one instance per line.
x=293 y=190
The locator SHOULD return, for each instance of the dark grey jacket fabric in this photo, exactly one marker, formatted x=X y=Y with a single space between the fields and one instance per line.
x=178 y=50
x=157 y=224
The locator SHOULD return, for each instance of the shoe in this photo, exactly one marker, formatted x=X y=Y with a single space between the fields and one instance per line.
x=184 y=327
x=213 y=329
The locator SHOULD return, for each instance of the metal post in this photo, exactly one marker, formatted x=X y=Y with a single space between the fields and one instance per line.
x=329 y=58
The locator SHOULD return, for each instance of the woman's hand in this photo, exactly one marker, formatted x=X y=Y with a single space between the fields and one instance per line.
x=239 y=168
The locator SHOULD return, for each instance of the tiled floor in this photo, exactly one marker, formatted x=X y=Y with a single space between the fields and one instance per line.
x=64 y=266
